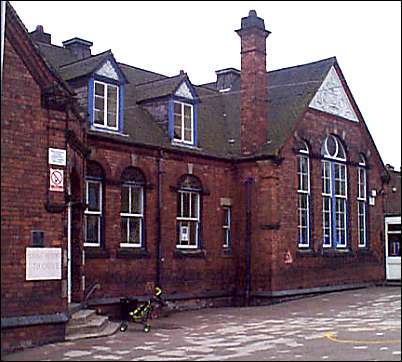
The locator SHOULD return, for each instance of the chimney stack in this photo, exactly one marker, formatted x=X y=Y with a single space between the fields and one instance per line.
x=39 y=36
x=79 y=47
x=253 y=79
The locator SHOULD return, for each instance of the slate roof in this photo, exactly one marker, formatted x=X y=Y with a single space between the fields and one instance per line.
x=289 y=92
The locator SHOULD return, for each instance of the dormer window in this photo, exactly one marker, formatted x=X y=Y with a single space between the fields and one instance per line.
x=106 y=109
x=183 y=115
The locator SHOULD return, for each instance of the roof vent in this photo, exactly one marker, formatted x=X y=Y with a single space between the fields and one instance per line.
x=79 y=47
x=39 y=36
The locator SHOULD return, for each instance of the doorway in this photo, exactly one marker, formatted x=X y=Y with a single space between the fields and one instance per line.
x=393 y=248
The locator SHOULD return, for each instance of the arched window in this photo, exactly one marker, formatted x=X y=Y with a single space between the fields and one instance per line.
x=334 y=193
x=132 y=208
x=188 y=212
x=303 y=190
x=362 y=201
x=93 y=214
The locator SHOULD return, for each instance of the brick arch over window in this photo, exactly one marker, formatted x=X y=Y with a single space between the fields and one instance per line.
x=103 y=163
x=133 y=174
x=95 y=169
x=190 y=182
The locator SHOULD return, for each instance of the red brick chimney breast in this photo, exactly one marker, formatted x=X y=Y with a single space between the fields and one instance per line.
x=253 y=79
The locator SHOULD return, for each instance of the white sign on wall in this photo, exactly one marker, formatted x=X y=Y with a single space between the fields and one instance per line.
x=43 y=263
x=57 y=156
x=56 y=180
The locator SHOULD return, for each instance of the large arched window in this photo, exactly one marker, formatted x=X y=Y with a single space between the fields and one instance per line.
x=362 y=201
x=132 y=208
x=303 y=190
x=188 y=212
x=93 y=214
x=334 y=193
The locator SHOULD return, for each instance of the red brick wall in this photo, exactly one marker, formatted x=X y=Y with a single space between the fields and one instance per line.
x=213 y=272
x=314 y=270
x=27 y=130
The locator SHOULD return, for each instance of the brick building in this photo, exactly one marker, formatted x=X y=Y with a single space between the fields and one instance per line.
x=257 y=186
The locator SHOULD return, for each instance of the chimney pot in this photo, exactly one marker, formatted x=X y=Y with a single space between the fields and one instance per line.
x=39 y=36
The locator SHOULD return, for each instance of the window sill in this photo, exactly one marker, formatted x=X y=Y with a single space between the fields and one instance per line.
x=194 y=253
x=132 y=253
x=185 y=145
x=337 y=252
x=109 y=131
x=305 y=252
x=96 y=253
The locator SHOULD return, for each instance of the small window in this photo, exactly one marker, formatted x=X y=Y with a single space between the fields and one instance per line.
x=94 y=210
x=132 y=208
x=227 y=226
x=106 y=109
x=362 y=202
x=183 y=123
x=188 y=213
x=303 y=190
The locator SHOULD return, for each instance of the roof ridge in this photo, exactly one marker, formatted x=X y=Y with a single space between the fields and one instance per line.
x=145 y=70
x=158 y=80
x=90 y=57
x=303 y=65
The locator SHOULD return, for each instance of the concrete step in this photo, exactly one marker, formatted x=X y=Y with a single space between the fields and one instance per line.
x=85 y=323
x=82 y=316
x=108 y=330
x=94 y=323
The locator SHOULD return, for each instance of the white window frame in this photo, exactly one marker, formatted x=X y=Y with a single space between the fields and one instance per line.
x=133 y=216
x=98 y=213
x=191 y=219
x=335 y=161
x=227 y=229
x=182 y=139
x=303 y=192
x=105 y=96
x=362 y=201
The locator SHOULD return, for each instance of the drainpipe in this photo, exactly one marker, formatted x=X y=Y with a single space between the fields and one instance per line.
x=3 y=25
x=159 y=221
x=248 y=185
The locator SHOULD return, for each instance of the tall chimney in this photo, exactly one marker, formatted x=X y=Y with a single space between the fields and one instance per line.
x=253 y=79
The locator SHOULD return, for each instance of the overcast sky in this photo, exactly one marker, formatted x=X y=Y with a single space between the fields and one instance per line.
x=199 y=38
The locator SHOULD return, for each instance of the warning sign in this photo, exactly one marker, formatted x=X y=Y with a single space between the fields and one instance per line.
x=56 y=180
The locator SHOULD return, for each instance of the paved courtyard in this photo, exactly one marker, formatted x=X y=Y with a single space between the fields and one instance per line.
x=357 y=325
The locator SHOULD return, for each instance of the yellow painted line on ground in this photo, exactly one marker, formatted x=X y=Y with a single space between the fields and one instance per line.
x=333 y=338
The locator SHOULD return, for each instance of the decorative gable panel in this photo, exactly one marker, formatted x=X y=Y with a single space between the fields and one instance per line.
x=107 y=70
x=184 y=91
x=331 y=98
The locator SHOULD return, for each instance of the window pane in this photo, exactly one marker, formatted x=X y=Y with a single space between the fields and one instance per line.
x=111 y=119
x=93 y=196
x=394 y=245
x=194 y=205
x=193 y=233
x=331 y=146
x=99 y=89
x=326 y=181
x=136 y=200
x=177 y=127
x=186 y=205
x=187 y=135
x=184 y=233
x=134 y=230
x=187 y=112
x=124 y=199
x=99 y=117
x=92 y=228
x=177 y=108
x=124 y=230
x=187 y=123
x=99 y=103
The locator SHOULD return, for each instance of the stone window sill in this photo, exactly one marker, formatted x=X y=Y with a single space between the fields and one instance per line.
x=96 y=253
x=132 y=253
x=186 y=253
